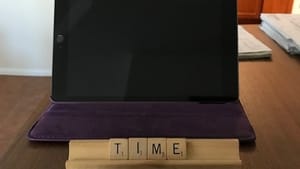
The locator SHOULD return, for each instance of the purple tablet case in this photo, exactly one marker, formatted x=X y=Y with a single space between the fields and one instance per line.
x=65 y=121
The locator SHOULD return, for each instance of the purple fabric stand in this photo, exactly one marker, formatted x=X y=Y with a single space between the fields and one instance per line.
x=65 y=121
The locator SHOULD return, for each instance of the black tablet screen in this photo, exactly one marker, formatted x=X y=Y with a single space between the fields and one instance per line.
x=145 y=50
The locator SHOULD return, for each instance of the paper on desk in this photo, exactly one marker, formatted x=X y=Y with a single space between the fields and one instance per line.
x=278 y=37
x=284 y=29
x=250 y=47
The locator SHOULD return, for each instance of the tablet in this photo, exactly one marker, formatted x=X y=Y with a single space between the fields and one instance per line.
x=116 y=61
x=145 y=50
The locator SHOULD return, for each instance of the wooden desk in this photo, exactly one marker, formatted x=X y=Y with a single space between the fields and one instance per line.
x=269 y=91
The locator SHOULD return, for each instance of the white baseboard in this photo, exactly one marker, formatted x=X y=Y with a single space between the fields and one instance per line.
x=25 y=72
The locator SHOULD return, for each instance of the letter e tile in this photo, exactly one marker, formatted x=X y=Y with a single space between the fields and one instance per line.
x=176 y=148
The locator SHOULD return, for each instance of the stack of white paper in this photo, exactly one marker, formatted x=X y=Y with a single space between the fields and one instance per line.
x=284 y=29
x=250 y=47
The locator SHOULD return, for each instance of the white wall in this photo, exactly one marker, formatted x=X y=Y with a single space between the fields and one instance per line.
x=296 y=7
x=26 y=30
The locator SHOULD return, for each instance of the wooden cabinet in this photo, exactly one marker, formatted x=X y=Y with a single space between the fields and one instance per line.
x=249 y=10
x=278 y=6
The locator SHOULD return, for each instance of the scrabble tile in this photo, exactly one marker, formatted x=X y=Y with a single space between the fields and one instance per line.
x=138 y=148
x=176 y=148
x=118 y=149
x=157 y=149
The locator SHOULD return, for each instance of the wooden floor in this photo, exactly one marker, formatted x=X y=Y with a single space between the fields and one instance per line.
x=16 y=94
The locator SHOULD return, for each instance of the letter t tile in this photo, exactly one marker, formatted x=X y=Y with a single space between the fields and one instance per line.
x=118 y=149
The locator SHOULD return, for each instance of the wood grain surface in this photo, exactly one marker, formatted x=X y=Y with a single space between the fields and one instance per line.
x=19 y=97
x=201 y=154
x=278 y=6
x=269 y=92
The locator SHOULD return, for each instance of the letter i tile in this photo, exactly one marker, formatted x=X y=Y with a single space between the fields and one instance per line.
x=138 y=149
